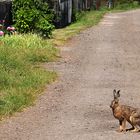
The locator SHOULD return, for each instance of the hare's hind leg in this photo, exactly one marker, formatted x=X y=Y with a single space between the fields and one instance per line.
x=136 y=129
x=134 y=121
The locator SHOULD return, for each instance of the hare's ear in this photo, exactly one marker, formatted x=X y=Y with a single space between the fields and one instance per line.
x=118 y=93
x=114 y=93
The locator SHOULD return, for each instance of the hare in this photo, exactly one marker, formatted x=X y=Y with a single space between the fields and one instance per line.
x=125 y=113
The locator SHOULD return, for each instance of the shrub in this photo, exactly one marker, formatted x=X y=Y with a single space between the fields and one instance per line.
x=33 y=16
x=44 y=27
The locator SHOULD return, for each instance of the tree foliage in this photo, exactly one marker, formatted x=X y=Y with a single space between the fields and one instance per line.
x=33 y=16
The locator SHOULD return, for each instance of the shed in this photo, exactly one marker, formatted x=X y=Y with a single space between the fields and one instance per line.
x=6 y=11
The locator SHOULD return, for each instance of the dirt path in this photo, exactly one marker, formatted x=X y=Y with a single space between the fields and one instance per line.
x=76 y=107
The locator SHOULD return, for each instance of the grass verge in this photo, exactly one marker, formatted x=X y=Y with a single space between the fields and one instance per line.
x=126 y=6
x=88 y=19
x=20 y=78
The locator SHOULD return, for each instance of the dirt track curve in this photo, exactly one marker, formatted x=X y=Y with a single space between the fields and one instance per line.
x=76 y=107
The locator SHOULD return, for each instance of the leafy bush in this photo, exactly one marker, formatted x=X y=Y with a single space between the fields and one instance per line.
x=44 y=27
x=33 y=16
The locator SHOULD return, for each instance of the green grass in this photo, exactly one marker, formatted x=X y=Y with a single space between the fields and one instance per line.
x=21 y=80
x=126 y=6
x=88 y=19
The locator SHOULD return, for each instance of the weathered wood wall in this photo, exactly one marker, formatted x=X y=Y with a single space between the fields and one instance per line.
x=82 y=4
x=5 y=11
x=64 y=10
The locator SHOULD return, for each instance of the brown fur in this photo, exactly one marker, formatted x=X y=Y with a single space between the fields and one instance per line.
x=125 y=113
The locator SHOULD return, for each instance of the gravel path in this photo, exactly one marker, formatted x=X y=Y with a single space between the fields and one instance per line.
x=76 y=107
